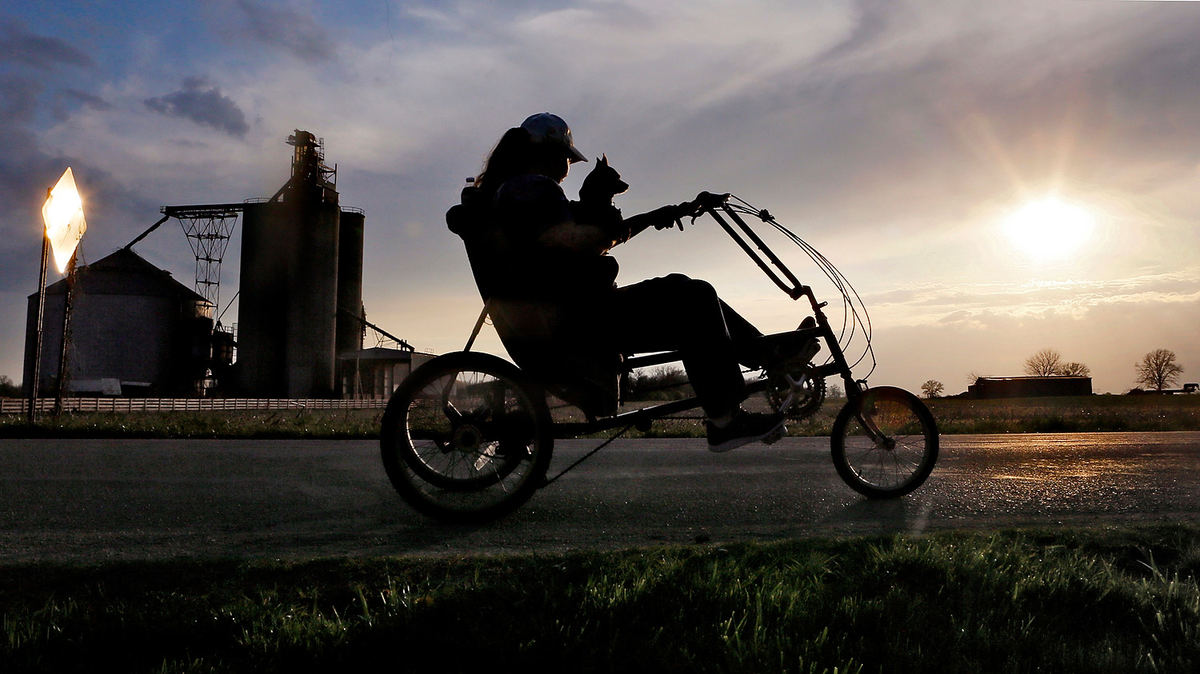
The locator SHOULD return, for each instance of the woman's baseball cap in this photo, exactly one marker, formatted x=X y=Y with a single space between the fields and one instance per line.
x=547 y=128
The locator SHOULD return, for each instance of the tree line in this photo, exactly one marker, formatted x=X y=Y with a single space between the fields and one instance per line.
x=1158 y=370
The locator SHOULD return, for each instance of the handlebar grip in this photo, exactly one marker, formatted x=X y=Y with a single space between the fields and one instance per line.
x=707 y=200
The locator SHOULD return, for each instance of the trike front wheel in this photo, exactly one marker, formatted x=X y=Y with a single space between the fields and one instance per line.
x=466 y=437
x=885 y=442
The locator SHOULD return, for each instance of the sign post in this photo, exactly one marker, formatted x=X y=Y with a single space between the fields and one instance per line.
x=37 y=349
x=63 y=216
x=63 y=364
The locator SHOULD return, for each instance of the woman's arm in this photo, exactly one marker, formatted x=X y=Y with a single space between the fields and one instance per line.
x=666 y=216
x=577 y=237
x=659 y=218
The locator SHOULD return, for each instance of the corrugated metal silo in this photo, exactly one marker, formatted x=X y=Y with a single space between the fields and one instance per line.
x=301 y=282
x=287 y=311
x=350 y=269
x=131 y=324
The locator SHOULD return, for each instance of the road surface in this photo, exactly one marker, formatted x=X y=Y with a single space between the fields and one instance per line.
x=98 y=500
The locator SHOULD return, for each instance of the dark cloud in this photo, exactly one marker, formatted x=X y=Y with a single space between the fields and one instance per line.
x=18 y=99
x=203 y=104
x=18 y=45
x=297 y=33
x=66 y=100
x=27 y=169
x=87 y=100
x=25 y=172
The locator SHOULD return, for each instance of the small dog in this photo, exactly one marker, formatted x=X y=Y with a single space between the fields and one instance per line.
x=595 y=206
x=601 y=185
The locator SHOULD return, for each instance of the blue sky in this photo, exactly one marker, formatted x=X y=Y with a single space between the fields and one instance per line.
x=897 y=137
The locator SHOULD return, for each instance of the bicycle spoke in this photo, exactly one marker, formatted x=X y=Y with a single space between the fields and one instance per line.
x=468 y=438
x=904 y=453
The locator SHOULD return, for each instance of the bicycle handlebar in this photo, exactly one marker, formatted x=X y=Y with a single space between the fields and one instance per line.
x=706 y=201
x=717 y=205
x=727 y=210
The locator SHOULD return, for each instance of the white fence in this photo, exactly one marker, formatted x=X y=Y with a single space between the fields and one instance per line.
x=21 y=405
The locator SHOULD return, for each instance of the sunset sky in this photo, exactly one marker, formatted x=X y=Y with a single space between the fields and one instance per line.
x=994 y=178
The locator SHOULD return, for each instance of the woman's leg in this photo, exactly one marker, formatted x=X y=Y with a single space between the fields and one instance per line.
x=676 y=312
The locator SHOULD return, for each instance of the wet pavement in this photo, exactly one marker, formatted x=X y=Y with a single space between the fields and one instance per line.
x=95 y=500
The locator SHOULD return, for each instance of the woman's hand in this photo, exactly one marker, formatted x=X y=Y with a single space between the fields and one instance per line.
x=691 y=209
x=705 y=201
x=666 y=216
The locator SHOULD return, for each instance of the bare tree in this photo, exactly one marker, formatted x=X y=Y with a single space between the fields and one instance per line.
x=1044 y=363
x=932 y=388
x=973 y=377
x=8 y=389
x=1158 y=369
x=1074 y=370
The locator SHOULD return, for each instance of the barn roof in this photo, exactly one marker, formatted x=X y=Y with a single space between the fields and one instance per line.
x=1053 y=377
x=124 y=272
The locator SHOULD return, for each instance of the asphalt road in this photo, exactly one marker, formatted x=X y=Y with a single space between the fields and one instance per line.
x=97 y=500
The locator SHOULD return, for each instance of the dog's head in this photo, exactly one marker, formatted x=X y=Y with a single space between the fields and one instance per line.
x=602 y=184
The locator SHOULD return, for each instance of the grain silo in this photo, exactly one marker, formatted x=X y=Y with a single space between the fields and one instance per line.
x=300 y=300
x=350 y=324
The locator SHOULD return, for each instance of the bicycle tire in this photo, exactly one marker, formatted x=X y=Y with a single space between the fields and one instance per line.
x=902 y=457
x=466 y=437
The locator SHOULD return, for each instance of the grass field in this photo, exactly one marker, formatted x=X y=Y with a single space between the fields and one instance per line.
x=954 y=415
x=1073 y=414
x=1059 y=601
x=1065 y=601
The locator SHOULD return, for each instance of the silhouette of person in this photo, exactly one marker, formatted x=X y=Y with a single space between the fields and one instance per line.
x=550 y=284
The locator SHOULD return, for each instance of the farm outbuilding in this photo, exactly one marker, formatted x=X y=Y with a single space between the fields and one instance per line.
x=134 y=330
x=1029 y=387
x=375 y=372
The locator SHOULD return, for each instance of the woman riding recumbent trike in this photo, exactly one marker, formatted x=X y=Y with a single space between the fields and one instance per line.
x=469 y=435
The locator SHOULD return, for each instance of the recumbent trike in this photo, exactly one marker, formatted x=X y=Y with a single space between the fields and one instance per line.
x=468 y=436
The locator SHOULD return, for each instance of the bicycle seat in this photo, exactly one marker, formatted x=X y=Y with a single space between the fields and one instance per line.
x=532 y=330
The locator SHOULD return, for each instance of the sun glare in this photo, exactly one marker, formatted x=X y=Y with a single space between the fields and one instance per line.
x=1049 y=229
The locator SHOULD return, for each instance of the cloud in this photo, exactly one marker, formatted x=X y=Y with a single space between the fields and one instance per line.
x=26 y=171
x=983 y=305
x=28 y=168
x=876 y=129
x=931 y=111
x=18 y=99
x=18 y=45
x=296 y=33
x=204 y=104
x=68 y=99
x=89 y=100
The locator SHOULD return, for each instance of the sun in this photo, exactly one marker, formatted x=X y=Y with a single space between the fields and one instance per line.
x=1049 y=229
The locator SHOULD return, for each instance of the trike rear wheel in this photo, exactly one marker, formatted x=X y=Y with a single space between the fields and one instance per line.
x=466 y=437
x=885 y=442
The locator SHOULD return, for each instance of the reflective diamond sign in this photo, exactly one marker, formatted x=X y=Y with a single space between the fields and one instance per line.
x=63 y=215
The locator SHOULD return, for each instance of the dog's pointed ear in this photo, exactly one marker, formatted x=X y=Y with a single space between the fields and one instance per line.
x=603 y=160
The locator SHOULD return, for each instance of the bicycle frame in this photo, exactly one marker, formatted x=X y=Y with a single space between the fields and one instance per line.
x=779 y=273
x=469 y=437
